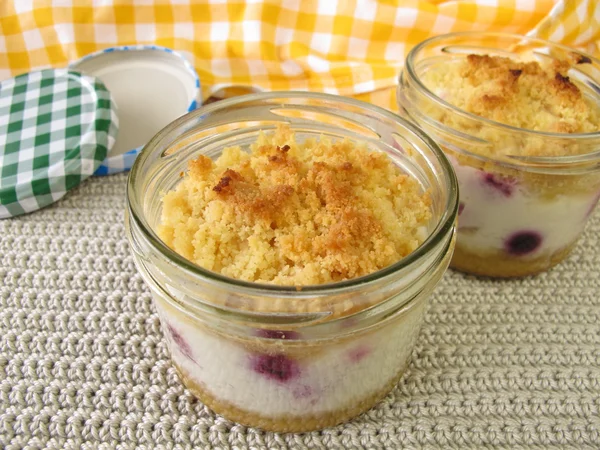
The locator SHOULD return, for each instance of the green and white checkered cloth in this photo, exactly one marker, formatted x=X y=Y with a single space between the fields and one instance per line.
x=56 y=127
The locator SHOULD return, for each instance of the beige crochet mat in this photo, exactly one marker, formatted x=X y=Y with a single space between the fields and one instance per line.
x=83 y=363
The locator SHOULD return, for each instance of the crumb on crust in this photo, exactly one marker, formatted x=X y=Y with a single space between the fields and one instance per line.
x=295 y=213
x=522 y=94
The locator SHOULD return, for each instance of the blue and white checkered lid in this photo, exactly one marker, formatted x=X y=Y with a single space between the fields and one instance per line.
x=56 y=127
x=151 y=85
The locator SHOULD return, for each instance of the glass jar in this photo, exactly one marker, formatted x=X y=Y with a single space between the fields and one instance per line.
x=518 y=215
x=287 y=358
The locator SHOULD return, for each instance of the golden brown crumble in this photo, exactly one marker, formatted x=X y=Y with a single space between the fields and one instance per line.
x=295 y=213
x=522 y=94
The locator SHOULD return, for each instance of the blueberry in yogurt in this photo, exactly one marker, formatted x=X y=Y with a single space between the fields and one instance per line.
x=523 y=243
x=180 y=341
x=276 y=367
x=503 y=185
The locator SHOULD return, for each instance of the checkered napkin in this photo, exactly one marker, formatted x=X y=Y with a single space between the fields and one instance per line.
x=56 y=127
x=351 y=47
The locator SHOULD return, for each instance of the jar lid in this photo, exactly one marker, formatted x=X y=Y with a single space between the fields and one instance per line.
x=56 y=127
x=152 y=86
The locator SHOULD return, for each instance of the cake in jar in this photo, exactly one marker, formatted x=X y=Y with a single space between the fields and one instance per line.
x=298 y=214
x=515 y=217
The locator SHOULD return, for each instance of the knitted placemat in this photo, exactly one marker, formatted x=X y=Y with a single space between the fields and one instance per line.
x=83 y=364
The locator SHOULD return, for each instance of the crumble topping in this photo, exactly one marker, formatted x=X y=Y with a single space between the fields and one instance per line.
x=293 y=213
x=522 y=94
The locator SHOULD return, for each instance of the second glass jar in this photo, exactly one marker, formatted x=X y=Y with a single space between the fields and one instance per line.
x=517 y=215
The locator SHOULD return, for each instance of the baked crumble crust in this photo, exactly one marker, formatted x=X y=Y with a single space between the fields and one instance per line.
x=498 y=264
x=526 y=95
x=286 y=424
x=295 y=213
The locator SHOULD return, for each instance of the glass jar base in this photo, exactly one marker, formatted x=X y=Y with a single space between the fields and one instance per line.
x=285 y=424
x=499 y=265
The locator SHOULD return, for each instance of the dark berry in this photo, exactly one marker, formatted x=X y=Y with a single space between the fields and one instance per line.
x=523 y=242
x=183 y=345
x=461 y=208
x=278 y=334
x=276 y=367
x=503 y=185
x=358 y=353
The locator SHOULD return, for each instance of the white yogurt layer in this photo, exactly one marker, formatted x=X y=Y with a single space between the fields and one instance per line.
x=333 y=377
x=495 y=211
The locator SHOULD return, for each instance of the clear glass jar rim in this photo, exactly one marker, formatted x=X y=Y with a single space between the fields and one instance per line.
x=441 y=230
x=542 y=160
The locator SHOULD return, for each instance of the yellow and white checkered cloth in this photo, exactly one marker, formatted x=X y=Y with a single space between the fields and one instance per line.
x=348 y=47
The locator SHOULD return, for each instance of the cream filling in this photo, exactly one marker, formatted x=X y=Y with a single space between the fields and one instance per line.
x=337 y=376
x=493 y=212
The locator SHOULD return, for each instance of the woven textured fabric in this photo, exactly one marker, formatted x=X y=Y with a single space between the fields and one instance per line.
x=56 y=127
x=83 y=363
x=352 y=47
